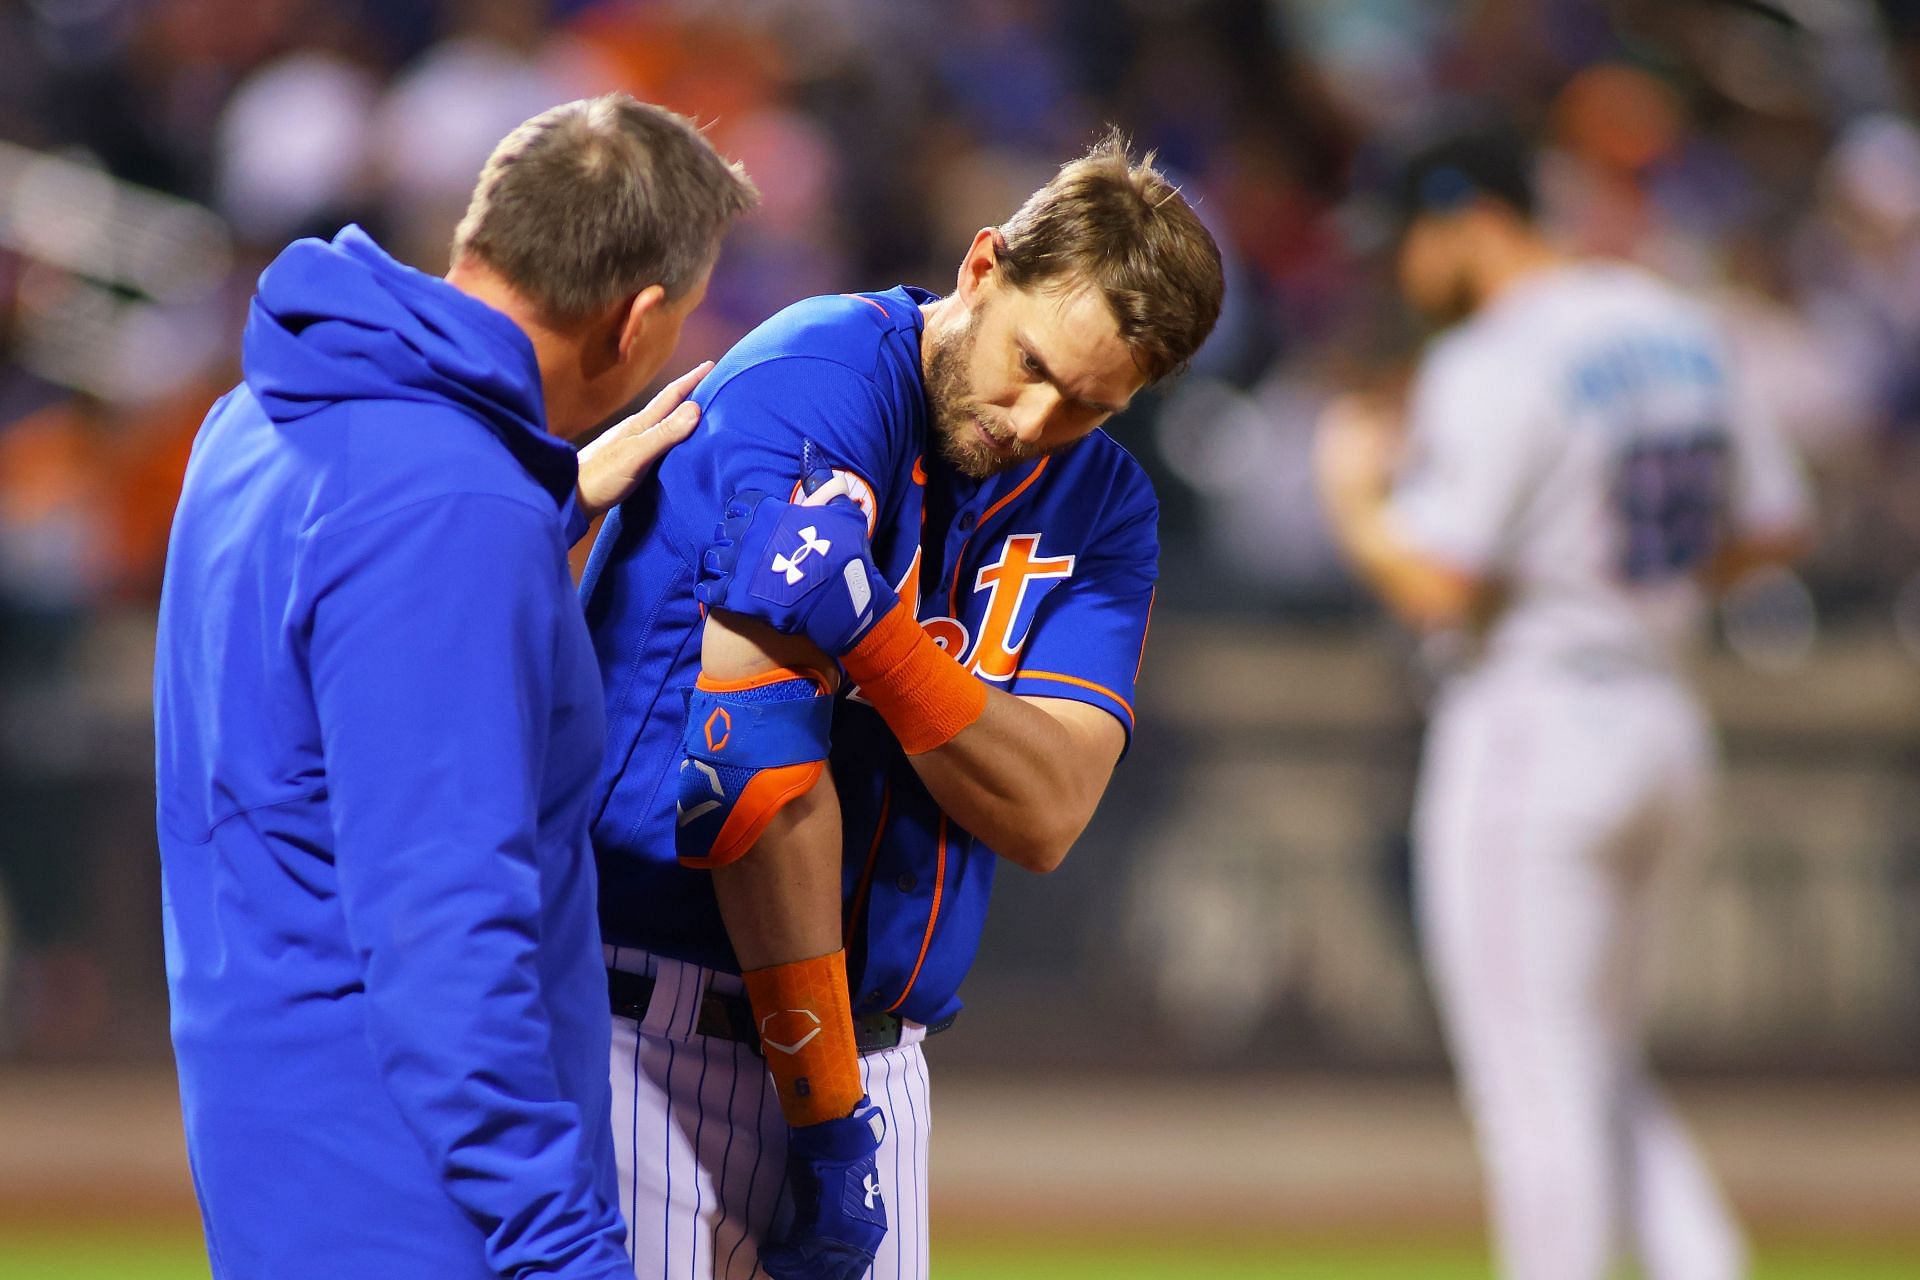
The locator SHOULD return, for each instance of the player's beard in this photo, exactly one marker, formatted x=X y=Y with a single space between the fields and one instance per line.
x=957 y=417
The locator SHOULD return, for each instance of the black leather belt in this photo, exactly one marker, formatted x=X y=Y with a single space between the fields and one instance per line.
x=730 y=1017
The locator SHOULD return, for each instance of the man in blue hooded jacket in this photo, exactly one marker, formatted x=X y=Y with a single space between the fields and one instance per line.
x=379 y=720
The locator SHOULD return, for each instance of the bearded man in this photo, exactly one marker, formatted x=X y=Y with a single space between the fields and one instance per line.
x=912 y=492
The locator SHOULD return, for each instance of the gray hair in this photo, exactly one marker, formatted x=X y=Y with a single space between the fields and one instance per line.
x=593 y=201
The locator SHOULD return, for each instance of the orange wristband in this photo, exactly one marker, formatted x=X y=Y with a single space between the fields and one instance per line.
x=923 y=694
x=806 y=1031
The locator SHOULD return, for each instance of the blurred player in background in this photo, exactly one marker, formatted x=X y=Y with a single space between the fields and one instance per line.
x=1579 y=475
x=914 y=491
x=379 y=721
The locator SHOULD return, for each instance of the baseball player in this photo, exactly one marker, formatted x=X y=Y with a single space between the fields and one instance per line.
x=1579 y=474
x=929 y=576
x=378 y=720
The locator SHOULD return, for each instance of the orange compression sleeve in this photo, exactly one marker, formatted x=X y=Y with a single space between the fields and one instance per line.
x=923 y=694
x=806 y=1031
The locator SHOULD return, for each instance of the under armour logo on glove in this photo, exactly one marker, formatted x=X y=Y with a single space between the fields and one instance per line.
x=798 y=556
x=839 y=1213
x=769 y=560
x=811 y=544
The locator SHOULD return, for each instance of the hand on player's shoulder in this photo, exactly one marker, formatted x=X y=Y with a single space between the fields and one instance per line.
x=614 y=464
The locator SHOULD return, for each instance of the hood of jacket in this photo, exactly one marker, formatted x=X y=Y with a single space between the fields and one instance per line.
x=339 y=321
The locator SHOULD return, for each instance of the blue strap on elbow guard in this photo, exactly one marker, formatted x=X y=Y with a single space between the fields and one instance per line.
x=748 y=749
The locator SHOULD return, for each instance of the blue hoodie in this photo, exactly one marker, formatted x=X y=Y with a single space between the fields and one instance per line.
x=379 y=722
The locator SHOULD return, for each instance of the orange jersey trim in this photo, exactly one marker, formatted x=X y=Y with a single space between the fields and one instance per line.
x=714 y=685
x=933 y=916
x=953 y=596
x=1028 y=674
x=1144 y=633
x=861 y=297
x=866 y=873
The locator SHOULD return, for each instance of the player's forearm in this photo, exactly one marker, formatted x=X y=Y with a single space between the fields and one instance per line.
x=1004 y=768
x=1353 y=464
x=1019 y=779
x=1419 y=591
x=780 y=900
x=779 y=897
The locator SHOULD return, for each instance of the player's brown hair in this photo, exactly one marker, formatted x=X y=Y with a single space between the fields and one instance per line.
x=1120 y=225
x=592 y=201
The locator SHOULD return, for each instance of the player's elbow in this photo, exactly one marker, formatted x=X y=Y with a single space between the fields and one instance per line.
x=1038 y=858
x=1041 y=847
x=1432 y=598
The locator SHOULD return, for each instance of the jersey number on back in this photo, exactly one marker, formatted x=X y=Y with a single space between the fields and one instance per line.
x=1670 y=495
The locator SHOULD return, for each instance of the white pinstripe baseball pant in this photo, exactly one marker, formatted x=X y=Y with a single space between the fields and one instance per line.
x=702 y=1144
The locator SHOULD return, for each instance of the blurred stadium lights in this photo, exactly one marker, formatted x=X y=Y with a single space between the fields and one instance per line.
x=112 y=267
x=1250 y=455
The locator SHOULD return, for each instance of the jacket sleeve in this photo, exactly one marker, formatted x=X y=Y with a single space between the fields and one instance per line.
x=432 y=659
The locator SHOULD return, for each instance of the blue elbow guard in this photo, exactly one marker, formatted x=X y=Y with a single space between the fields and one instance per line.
x=749 y=748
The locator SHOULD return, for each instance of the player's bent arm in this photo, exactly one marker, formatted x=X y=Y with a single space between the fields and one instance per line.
x=1027 y=775
x=1420 y=590
x=1353 y=466
x=779 y=896
x=781 y=899
x=1020 y=774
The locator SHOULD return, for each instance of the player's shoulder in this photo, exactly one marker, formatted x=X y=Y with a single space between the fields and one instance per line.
x=1593 y=296
x=864 y=333
x=1524 y=337
x=1103 y=453
x=1609 y=316
x=1100 y=476
x=1464 y=362
x=1644 y=292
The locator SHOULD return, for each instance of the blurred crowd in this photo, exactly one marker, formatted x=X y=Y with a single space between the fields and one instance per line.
x=155 y=154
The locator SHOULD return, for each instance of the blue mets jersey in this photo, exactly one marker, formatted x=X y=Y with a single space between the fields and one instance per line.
x=1039 y=579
